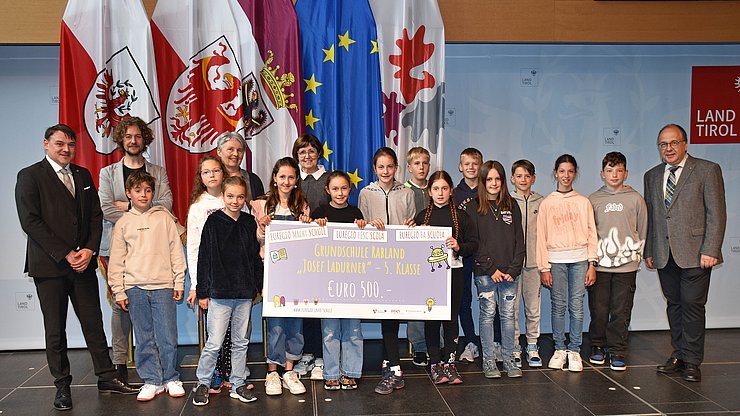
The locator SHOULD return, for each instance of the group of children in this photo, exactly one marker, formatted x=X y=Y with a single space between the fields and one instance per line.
x=508 y=244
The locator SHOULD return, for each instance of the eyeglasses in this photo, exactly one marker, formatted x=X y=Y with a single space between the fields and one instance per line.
x=309 y=153
x=674 y=144
x=209 y=172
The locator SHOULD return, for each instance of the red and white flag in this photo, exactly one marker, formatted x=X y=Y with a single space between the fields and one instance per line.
x=107 y=72
x=411 y=42
x=271 y=65
x=200 y=83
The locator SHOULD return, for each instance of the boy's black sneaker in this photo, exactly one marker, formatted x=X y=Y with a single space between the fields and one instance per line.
x=598 y=356
x=421 y=359
x=200 y=397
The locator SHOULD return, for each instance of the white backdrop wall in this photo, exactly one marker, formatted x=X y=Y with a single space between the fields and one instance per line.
x=510 y=101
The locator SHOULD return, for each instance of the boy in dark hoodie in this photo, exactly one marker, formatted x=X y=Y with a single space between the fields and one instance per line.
x=621 y=224
x=466 y=191
x=230 y=275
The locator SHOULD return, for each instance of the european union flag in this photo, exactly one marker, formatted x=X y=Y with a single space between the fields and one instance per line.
x=342 y=90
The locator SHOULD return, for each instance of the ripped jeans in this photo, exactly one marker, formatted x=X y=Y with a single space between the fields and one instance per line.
x=504 y=295
x=342 y=348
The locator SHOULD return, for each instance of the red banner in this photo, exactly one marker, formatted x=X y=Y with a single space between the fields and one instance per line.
x=715 y=105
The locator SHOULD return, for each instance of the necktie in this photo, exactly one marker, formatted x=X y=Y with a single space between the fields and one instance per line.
x=67 y=181
x=670 y=186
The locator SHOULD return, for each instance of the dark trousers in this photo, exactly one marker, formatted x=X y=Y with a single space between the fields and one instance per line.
x=389 y=329
x=312 y=337
x=450 y=329
x=466 y=311
x=686 y=293
x=54 y=294
x=610 y=302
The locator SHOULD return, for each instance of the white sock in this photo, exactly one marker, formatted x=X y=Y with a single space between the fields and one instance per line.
x=396 y=370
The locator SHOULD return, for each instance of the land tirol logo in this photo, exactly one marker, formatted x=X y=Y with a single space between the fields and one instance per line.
x=715 y=105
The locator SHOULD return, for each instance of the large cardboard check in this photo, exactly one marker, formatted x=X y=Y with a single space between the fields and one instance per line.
x=340 y=271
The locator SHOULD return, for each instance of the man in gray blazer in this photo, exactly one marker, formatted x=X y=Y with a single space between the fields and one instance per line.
x=132 y=136
x=685 y=197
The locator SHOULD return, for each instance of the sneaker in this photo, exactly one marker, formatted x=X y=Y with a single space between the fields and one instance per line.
x=439 y=375
x=498 y=352
x=597 y=356
x=216 y=383
x=574 y=361
x=148 y=392
x=517 y=356
x=317 y=372
x=174 y=388
x=452 y=375
x=200 y=397
x=511 y=369
x=305 y=365
x=421 y=359
x=273 y=384
x=490 y=370
x=558 y=360
x=332 y=385
x=470 y=353
x=292 y=382
x=617 y=363
x=347 y=383
x=389 y=383
x=533 y=355
x=243 y=394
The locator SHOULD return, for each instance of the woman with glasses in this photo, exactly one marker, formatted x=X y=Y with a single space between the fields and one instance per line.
x=307 y=151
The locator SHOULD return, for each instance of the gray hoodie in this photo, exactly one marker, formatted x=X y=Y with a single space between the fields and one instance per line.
x=393 y=207
x=529 y=208
x=621 y=224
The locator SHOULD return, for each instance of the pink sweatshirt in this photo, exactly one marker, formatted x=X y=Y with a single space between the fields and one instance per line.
x=566 y=231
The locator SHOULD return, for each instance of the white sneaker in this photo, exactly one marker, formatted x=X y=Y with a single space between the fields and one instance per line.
x=174 y=388
x=273 y=384
x=574 y=361
x=292 y=382
x=317 y=373
x=470 y=353
x=148 y=392
x=558 y=360
x=305 y=365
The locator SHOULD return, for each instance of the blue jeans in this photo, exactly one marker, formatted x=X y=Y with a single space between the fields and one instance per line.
x=342 y=348
x=284 y=340
x=490 y=295
x=568 y=290
x=415 y=334
x=217 y=319
x=154 y=319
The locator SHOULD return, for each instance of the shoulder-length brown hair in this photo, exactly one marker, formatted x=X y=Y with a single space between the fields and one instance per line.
x=198 y=186
x=503 y=199
x=297 y=201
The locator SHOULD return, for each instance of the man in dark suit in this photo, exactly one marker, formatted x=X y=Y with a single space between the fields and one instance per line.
x=59 y=210
x=685 y=197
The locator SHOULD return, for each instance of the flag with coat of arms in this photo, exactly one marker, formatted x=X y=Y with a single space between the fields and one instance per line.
x=200 y=81
x=341 y=79
x=107 y=72
x=411 y=41
x=271 y=61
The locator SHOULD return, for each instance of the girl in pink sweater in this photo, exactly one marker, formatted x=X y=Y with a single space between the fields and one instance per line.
x=566 y=257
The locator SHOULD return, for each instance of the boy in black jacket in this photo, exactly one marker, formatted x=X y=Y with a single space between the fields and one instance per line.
x=230 y=274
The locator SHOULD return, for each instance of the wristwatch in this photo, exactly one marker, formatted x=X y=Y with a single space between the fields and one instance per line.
x=593 y=263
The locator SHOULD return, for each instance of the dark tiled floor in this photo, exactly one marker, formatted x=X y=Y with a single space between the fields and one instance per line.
x=26 y=388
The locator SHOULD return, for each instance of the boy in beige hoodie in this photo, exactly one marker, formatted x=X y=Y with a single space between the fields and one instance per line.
x=146 y=274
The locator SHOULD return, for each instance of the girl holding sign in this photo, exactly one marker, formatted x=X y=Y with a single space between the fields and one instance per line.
x=393 y=203
x=440 y=212
x=342 y=338
x=496 y=225
x=284 y=337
